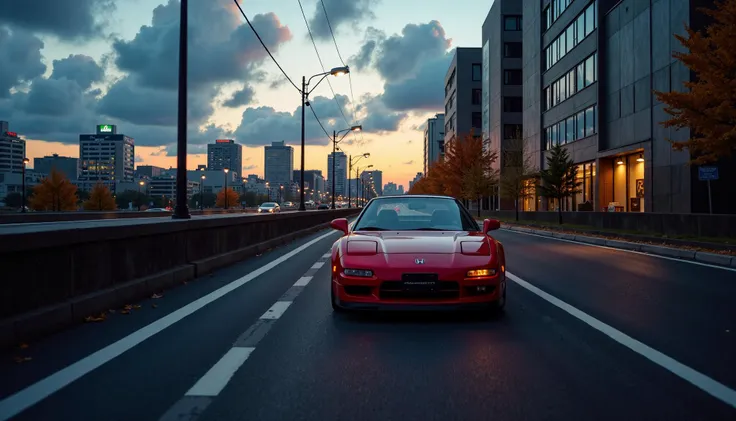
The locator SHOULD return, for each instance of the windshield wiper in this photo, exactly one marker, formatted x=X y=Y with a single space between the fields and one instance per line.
x=370 y=229
x=432 y=229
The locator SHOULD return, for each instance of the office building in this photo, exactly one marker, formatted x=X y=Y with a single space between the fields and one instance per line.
x=279 y=164
x=165 y=187
x=600 y=61
x=502 y=88
x=313 y=179
x=150 y=171
x=434 y=140
x=12 y=153
x=412 y=182
x=225 y=153
x=377 y=183
x=463 y=91
x=341 y=173
x=64 y=164
x=107 y=157
x=390 y=189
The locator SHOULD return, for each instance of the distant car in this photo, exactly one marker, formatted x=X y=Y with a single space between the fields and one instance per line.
x=157 y=210
x=417 y=252
x=269 y=207
x=323 y=206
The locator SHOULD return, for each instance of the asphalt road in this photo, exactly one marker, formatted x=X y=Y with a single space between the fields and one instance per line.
x=259 y=341
x=21 y=228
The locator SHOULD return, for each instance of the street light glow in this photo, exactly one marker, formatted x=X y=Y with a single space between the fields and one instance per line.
x=337 y=71
x=356 y=128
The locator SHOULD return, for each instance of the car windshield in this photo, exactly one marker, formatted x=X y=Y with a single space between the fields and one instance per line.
x=415 y=213
x=268 y=205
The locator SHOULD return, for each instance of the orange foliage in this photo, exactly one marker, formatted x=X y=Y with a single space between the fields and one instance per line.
x=100 y=199
x=54 y=193
x=232 y=198
x=465 y=172
x=708 y=109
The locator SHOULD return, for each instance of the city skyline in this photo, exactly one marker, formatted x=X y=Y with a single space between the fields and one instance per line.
x=387 y=84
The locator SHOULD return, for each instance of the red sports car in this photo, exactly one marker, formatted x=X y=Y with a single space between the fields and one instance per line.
x=417 y=252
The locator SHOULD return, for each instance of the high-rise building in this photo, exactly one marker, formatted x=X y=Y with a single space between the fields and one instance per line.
x=434 y=140
x=341 y=173
x=313 y=179
x=279 y=164
x=390 y=189
x=150 y=170
x=502 y=89
x=106 y=156
x=378 y=181
x=12 y=153
x=412 y=182
x=64 y=164
x=225 y=153
x=463 y=91
x=591 y=67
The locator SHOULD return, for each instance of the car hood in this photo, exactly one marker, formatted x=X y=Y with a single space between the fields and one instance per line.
x=413 y=242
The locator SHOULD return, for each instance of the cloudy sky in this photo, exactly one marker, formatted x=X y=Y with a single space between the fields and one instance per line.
x=73 y=64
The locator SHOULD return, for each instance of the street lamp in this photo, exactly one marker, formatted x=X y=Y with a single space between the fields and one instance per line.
x=305 y=91
x=334 y=157
x=182 y=208
x=23 y=185
x=227 y=170
x=140 y=184
x=201 y=194
x=350 y=171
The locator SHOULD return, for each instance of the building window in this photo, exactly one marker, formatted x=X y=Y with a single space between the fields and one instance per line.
x=512 y=104
x=477 y=96
x=580 y=77
x=512 y=23
x=477 y=120
x=553 y=12
x=590 y=70
x=571 y=36
x=572 y=128
x=477 y=75
x=512 y=50
x=512 y=131
x=512 y=77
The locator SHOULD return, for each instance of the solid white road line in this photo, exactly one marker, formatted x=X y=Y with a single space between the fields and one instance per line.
x=212 y=383
x=692 y=262
x=277 y=310
x=326 y=255
x=303 y=281
x=31 y=395
x=318 y=265
x=701 y=381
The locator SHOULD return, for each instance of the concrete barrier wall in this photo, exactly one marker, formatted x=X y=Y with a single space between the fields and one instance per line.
x=693 y=225
x=55 y=278
x=22 y=218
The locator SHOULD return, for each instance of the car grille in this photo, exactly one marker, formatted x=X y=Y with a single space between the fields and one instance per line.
x=419 y=287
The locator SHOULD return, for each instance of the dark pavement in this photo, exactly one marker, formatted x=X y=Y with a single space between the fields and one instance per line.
x=535 y=363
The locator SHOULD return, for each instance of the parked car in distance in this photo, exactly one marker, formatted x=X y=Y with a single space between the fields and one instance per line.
x=323 y=206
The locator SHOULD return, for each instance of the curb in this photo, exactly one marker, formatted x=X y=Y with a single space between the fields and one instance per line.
x=39 y=323
x=682 y=254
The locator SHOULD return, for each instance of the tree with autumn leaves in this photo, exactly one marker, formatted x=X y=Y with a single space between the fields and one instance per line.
x=227 y=198
x=100 y=199
x=465 y=172
x=54 y=193
x=708 y=107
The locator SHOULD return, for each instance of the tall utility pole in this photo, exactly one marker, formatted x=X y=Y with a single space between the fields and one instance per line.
x=334 y=158
x=182 y=208
x=302 y=207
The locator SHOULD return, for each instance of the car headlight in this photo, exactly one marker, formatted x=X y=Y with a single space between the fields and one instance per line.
x=477 y=273
x=363 y=273
x=270 y=210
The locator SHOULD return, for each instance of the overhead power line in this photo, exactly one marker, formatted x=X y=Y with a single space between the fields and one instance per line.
x=264 y=46
x=320 y=123
x=350 y=78
x=334 y=96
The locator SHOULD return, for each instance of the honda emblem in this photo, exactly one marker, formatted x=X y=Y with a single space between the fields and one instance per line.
x=419 y=261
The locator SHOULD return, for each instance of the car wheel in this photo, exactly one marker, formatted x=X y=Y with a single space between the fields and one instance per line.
x=497 y=307
x=333 y=299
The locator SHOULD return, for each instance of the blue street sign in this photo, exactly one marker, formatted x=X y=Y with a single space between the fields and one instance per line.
x=707 y=173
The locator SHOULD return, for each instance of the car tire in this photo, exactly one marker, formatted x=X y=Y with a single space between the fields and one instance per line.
x=333 y=300
x=496 y=308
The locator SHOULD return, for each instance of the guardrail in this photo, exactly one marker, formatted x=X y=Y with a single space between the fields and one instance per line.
x=36 y=217
x=53 y=279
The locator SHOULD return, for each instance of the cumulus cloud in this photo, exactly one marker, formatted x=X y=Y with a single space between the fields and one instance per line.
x=340 y=12
x=66 y=19
x=412 y=64
x=240 y=98
x=143 y=103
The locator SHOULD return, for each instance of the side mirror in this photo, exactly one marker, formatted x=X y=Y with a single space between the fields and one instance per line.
x=340 y=224
x=490 y=225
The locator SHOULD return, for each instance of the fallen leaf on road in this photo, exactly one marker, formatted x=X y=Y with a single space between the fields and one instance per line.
x=136 y=306
x=20 y=360
x=128 y=307
x=125 y=312
x=156 y=296
x=23 y=346
x=259 y=255
x=100 y=318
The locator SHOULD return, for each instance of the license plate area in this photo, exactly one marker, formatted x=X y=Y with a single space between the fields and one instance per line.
x=420 y=282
